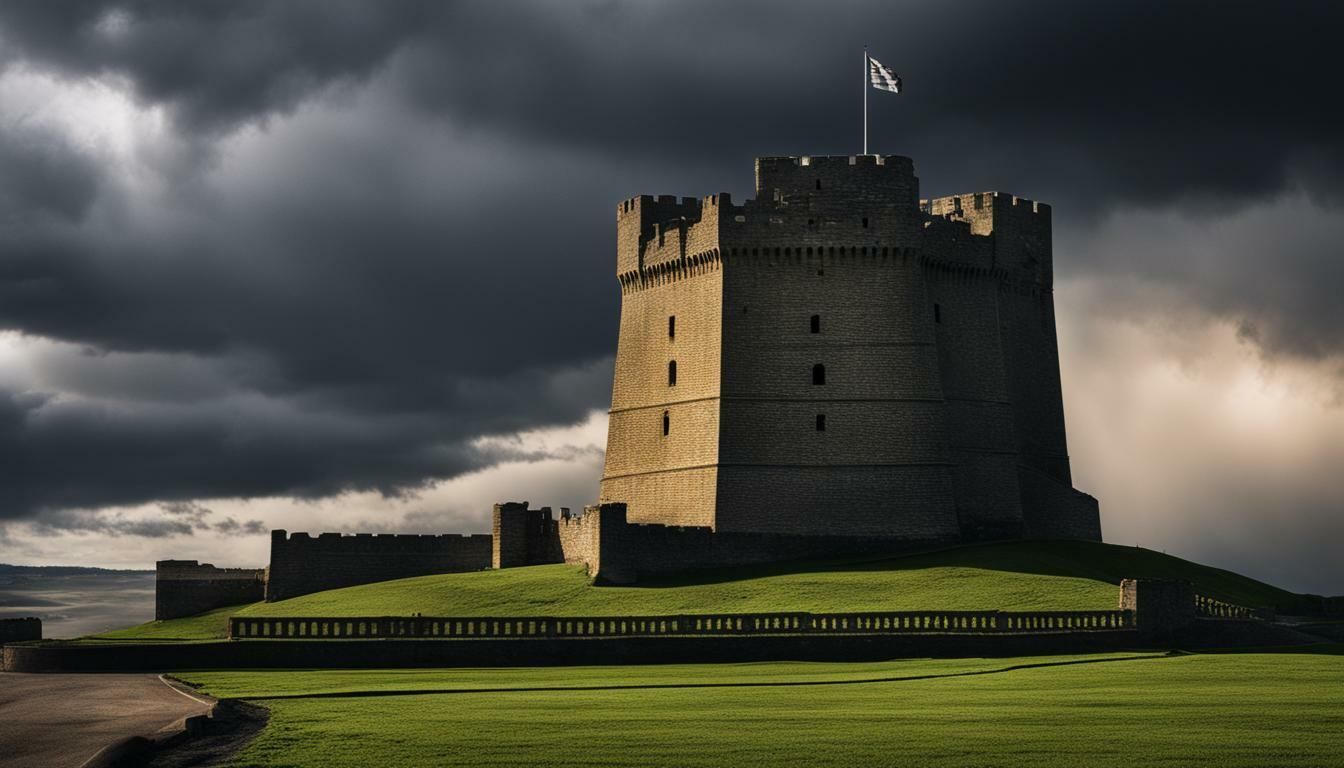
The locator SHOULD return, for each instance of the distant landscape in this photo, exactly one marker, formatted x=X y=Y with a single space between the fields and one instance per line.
x=73 y=601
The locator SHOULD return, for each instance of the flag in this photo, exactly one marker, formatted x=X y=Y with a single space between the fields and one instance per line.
x=883 y=78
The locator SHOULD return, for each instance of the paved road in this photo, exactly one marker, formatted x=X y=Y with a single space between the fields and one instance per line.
x=63 y=720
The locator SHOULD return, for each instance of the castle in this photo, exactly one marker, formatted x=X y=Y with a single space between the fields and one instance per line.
x=833 y=367
x=837 y=357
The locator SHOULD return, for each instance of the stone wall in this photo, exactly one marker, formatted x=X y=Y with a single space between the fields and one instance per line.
x=186 y=587
x=19 y=630
x=302 y=564
x=679 y=625
x=616 y=551
x=1161 y=607
x=1055 y=510
x=524 y=536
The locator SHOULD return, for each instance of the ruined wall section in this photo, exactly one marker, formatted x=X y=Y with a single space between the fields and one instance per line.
x=302 y=564
x=524 y=536
x=187 y=588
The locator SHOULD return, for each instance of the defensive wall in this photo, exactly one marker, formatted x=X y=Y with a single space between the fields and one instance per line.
x=19 y=630
x=186 y=587
x=302 y=564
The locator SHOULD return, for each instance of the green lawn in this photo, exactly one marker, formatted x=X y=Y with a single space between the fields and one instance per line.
x=1228 y=710
x=1007 y=576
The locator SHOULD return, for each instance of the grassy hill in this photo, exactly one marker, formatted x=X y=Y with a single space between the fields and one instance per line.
x=1049 y=575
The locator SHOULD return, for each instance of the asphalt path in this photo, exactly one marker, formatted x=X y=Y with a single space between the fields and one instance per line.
x=62 y=721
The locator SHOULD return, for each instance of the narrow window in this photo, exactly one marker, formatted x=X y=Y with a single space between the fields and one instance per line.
x=667 y=424
x=672 y=327
x=818 y=374
x=865 y=222
x=816 y=323
x=821 y=422
x=672 y=373
x=818 y=183
x=937 y=313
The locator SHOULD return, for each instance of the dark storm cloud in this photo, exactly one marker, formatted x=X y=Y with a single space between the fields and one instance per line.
x=42 y=176
x=1142 y=100
x=429 y=259
x=217 y=63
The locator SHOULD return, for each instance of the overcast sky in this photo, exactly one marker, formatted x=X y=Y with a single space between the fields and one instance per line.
x=350 y=266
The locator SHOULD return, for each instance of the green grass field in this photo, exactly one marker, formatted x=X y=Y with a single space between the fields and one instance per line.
x=1006 y=576
x=1230 y=710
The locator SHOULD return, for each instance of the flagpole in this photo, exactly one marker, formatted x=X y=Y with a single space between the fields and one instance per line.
x=865 y=100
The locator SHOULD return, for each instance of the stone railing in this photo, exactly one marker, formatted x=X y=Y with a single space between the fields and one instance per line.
x=1211 y=608
x=876 y=623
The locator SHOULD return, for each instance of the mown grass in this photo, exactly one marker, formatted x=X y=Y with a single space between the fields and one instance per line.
x=1006 y=576
x=1194 y=710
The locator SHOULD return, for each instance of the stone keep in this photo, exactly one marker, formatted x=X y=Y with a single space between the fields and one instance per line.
x=838 y=357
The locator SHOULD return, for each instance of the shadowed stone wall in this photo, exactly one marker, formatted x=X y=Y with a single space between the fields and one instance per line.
x=1160 y=606
x=186 y=587
x=302 y=564
x=18 y=630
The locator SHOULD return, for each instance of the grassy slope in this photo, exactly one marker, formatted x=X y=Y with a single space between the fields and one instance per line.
x=206 y=626
x=1230 y=710
x=1009 y=576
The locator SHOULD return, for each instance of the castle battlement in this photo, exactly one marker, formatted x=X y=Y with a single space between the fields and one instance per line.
x=859 y=204
x=1020 y=228
x=191 y=570
x=329 y=537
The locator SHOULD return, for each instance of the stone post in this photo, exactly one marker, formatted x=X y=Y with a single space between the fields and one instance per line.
x=1161 y=607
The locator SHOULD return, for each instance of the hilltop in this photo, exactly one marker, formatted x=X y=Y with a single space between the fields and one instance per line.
x=1043 y=575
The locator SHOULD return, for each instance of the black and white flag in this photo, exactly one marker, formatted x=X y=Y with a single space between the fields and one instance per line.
x=883 y=78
